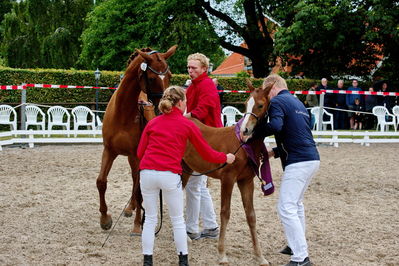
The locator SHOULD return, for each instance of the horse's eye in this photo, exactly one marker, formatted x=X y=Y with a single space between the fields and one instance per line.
x=260 y=106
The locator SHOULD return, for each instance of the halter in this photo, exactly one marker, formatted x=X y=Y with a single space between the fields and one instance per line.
x=144 y=66
x=254 y=115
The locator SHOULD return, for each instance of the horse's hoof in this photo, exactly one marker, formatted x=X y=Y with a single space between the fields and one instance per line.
x=135 y=234
x=263 y=262
x=136 y=231
x=223 y=261
x=127 y=213
x=106 y=223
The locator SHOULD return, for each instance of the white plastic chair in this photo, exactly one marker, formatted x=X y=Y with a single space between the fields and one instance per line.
x=99 y=123
x=315 y=111
x=56 y=116
x=230 y=113
x=32 y=113
x=395 y=111
x=8 y=116
x=382 y=113
x=83 y=116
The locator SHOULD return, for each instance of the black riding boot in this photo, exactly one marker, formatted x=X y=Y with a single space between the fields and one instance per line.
x=183 y=260
x=147 y=260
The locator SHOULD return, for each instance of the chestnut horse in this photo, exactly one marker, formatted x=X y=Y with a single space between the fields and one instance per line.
x=240 y=172
x=147 y=72
x=257 y=105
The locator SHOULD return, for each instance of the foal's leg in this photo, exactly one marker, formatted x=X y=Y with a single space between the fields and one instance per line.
x=134 y=165
x=226 y=192
x=106 y=164
x=247 y=195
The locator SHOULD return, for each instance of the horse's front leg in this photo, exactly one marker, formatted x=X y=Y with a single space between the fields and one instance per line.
x=226 y=192
x=247 y=195
x=134 y=204
x=106 y=164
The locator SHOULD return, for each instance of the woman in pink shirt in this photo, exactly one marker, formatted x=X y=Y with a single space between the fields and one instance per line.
x=161 y=150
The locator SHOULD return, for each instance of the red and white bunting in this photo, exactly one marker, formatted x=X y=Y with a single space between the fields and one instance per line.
x=12 y=87
x=66 y=86
x=31 y=85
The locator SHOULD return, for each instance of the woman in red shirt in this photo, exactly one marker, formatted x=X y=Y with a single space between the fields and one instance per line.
x=161 y=150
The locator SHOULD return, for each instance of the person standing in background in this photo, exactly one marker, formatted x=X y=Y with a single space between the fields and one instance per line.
x=350 y=101
x=340 y=117
x=310 y=102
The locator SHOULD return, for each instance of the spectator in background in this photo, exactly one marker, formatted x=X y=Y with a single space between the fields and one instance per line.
x=350 y=101
x=340 y=117
x=310 y=102
x=385 y=100
x=220 y=91
x=329 y=98
x=369 y=102
x=357 y=116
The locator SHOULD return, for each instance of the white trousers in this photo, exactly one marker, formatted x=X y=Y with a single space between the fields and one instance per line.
x=151 y=181
x=295 y=181
x=199 y=202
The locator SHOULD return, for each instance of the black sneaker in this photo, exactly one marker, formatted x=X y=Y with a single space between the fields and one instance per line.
x=305 y=262
x=286 y=251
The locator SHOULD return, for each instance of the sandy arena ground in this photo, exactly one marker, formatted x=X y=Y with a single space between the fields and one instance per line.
x=49 y=211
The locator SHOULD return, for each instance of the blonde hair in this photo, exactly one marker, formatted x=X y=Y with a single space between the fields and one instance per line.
x=274 y=80
x=201 y=58
x=171 y=96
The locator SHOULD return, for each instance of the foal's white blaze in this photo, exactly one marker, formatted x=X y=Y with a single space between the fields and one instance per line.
x=250 y=106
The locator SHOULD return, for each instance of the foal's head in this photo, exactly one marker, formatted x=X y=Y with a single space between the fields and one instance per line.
x=256 y=108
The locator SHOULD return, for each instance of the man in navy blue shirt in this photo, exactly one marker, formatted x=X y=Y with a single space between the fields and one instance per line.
x=289 y=123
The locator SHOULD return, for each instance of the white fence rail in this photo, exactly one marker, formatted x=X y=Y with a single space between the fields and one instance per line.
x=32 y=137
x=361 y=137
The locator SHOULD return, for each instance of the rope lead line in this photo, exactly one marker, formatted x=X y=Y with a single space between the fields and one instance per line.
x=116 y=223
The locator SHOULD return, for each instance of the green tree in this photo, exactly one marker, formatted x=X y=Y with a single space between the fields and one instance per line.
x=117 y=27
x=243 y=20
x=325 y=38
x=182 y=26
x=5 y=7
x=383 y=30
x=44 y=33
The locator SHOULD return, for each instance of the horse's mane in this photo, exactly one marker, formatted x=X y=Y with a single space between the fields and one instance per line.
x=135 y=54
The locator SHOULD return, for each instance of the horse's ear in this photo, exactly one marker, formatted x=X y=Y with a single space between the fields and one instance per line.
x=249 y=85
x=170 y=52
x=144 y=55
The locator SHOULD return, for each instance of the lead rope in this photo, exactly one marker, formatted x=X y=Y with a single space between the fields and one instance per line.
x=116 y=222
x=220 y=167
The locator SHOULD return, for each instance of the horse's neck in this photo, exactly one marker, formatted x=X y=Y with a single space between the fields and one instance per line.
x=126 y=97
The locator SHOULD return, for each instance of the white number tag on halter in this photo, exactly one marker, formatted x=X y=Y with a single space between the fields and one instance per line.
x=143 y=66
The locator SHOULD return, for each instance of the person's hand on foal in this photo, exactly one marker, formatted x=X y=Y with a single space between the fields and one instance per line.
x=230 y=158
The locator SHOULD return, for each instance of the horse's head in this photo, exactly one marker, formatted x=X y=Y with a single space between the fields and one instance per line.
x=153 y=72
x=256 y=109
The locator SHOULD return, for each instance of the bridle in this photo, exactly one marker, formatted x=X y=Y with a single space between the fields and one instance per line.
x=161 y=74
x=254 y=115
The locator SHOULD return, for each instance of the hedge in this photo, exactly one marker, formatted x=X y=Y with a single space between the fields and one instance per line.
x=10 y=76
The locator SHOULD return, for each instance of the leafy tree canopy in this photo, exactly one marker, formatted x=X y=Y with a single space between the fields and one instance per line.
x=117 y=27
x=44 y=33
x=327 y=38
